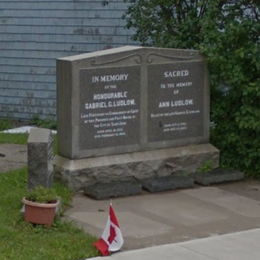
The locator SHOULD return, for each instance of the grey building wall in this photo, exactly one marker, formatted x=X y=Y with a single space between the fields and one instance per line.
x=33 y=33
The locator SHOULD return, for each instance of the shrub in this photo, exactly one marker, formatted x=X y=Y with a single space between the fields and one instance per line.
x=227 y=33
x=45 y=123
x=5 y=124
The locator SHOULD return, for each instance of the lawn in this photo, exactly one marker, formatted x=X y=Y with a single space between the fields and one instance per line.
x=22 y=139
x=13 y=138
x=24 y=241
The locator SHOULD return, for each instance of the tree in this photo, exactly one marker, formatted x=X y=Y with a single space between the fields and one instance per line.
x=227 y=33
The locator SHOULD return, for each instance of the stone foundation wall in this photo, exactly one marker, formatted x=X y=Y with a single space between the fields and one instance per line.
x=138 y=165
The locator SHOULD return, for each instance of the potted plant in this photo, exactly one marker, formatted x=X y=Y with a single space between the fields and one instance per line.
x=40 y=206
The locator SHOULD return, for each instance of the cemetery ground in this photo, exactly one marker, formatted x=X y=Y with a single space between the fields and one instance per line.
x=20 y=240
x=146 y=220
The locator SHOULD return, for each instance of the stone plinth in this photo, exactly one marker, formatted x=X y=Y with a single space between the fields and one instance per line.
x=40 y=158
x=141 y=165
x=114 y=189
x=218 y=176
x=131 y=112
x=172 y=182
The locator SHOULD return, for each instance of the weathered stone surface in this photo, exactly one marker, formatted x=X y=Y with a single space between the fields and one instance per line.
x=140 y=165
x=131 y=99
x=218 y=176
x=171 y=182
x=132 y=112
x=176 y=101
x=113 y=189
x=40 y=158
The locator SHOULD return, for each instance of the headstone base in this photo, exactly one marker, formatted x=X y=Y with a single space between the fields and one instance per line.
x=78 y=174
x=114 y=189
x=218 y=176
x=165 y=183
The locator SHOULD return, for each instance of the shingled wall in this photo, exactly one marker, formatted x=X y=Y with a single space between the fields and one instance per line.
x=33 y=33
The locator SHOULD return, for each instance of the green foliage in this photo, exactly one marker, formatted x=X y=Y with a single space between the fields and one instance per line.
x=22 y=139
x=23 y=241
x=45 y=123
x=5 y=124
x=205 y=167
x=13 y=138
x=10 y=137
x=227 y=33
x=42 y=195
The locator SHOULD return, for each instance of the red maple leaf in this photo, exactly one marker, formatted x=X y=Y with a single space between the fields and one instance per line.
x=112 y=234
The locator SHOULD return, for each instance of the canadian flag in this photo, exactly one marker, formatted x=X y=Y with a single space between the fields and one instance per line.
x=111 y=239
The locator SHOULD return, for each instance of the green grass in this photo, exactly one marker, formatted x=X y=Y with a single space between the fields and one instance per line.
x=22 y=139
x=45 y=123
x=23 y=241
x=13 y=138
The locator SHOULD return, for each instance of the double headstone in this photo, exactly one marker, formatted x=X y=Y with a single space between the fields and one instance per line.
x=132 y=112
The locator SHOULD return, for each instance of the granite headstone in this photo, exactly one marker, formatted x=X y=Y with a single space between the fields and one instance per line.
x=131 y=102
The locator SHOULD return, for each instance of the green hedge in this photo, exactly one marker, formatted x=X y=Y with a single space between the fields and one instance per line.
x=227 y=33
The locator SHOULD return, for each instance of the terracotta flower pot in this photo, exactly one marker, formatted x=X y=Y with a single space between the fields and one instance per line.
x=39 y=213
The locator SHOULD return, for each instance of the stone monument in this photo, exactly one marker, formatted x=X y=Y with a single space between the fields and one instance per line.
x=40 y=158
x=132 y=113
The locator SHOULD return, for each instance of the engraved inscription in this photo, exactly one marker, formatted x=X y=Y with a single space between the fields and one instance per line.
x=110 y=107
x=175 y=101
